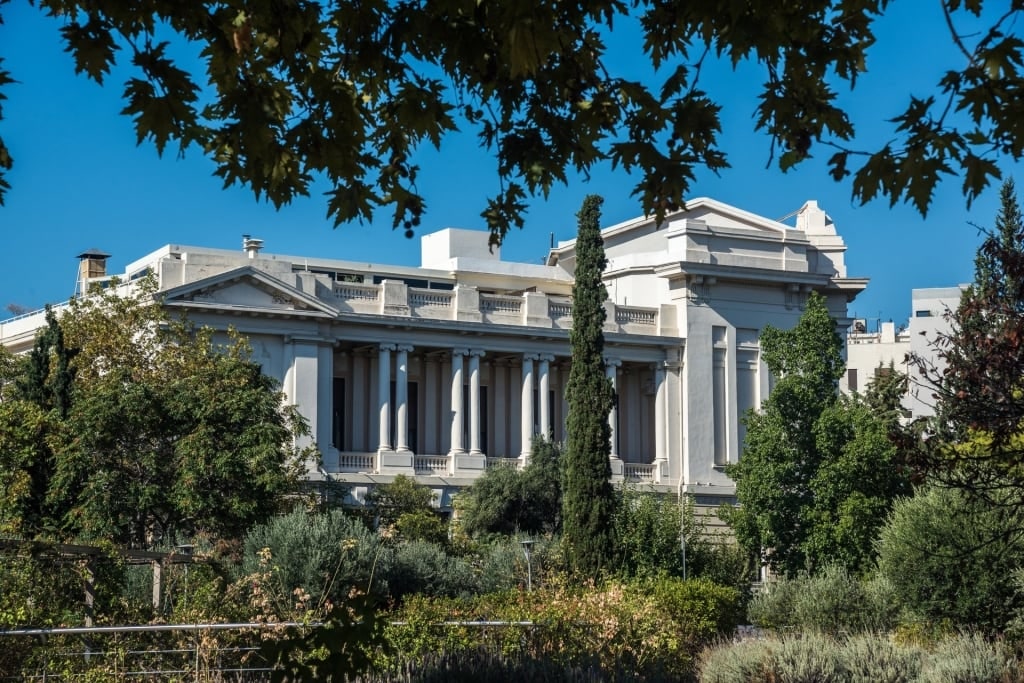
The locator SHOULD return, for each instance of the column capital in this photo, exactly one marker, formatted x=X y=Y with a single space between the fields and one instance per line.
x=531 y=356
x=479 y=353
x=460 y=352
x=612 y=362
x=387 y=347
x=546 y=357
x=403 y=347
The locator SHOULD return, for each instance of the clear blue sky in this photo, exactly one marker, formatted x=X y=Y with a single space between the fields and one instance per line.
x=79 y=180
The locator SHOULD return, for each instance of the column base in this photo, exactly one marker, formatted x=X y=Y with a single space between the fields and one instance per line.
x=395 y=462
x=660 y=471
x=616 y=465
x=470 y=462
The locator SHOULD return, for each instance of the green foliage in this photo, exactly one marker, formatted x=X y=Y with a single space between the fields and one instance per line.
x=588 y=500
x=341 y=649
x=506 y=500
x=325 y=555
x=399 y=497
x=405 y=509
x=831 y=601
x=874 y=658
x=745 y=661
x=885 y=393
x=277 y=109
x=653 y=628
x=420 y=568
x=818 y=472
x=147 y=434
x=970 y=658
x=867 y=658
x=952 y=557
x=651 y=528
x=974 y=442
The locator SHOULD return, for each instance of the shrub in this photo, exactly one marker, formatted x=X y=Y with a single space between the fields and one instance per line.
x=873 y=658
x=744 y=662
x=654 y=628
x=506 y=500
x=952 y=558
x=324 y=554
x=831 y=601
x=426 y=569
x=810 y=658
x=968 y=658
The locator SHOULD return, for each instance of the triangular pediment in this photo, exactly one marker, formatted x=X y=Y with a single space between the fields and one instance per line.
x=247 y=289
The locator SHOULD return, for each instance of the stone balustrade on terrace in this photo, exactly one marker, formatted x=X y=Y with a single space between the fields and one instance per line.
x=467 y=304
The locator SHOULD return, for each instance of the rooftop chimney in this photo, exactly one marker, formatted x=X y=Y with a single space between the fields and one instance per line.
x=251 y=245
x=92 y=264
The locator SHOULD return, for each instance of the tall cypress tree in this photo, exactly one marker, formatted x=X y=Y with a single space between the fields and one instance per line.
x=47 y=382
x=588 y=500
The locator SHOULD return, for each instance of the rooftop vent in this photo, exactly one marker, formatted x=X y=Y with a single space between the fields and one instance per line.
x=251 y=245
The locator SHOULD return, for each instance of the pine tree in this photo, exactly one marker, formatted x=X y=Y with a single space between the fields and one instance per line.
x=588 y=501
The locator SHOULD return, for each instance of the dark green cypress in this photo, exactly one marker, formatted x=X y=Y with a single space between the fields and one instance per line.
x=47 y=382
x=588 y=500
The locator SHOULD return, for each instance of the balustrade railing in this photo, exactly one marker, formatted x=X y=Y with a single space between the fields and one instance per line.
x=559 y=309
x=432 y=464
x=430 y=298
x=632 y=315
x=496 y=308
x=634 y=471
x=357 y=292
x=497 y=303
x=356 y=462
x=503 y=462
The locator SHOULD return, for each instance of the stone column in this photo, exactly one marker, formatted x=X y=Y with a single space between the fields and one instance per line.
x=544 y=392
x=384 y=397
x=360 y=400
x=456 y=408
x=402 y=398
x=527 y=403
x=611 y=370
x=660 y=408
x=430 y=438
x=474 y=401
x=499 y=381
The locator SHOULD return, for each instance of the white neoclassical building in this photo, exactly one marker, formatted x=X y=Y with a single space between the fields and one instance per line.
x=442 y=370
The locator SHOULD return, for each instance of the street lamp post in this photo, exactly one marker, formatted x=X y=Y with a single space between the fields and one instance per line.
x=527 y=543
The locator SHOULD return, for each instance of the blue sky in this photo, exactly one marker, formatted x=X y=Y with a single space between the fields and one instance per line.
x=80 y=182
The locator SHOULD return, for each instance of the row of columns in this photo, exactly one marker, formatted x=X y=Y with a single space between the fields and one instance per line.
x=531 y=381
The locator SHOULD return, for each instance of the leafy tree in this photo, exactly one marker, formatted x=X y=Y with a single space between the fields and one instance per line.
x=166 y=436
x=953 y=557
x=348 y=92
x=408 y=508
x=506 y=500
x=588 y=500
x=817 y=472
x=974 y=440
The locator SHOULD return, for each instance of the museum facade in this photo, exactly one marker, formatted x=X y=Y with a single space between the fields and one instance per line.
x=443 y=370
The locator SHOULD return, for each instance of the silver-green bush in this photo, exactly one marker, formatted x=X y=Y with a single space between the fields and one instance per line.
x=969 y=658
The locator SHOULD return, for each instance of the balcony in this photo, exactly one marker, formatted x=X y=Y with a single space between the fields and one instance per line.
x=531 y=309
